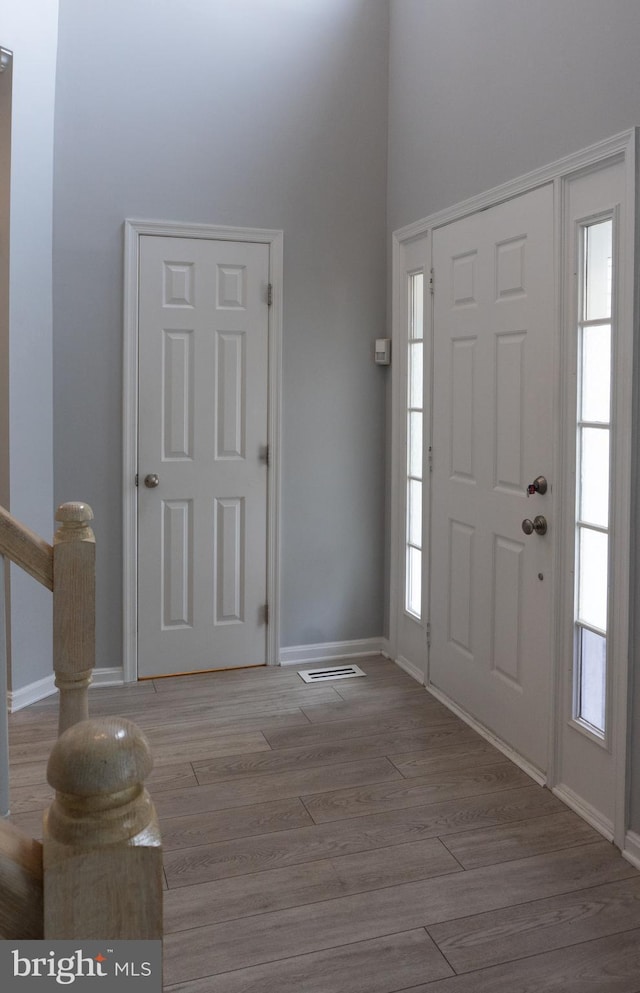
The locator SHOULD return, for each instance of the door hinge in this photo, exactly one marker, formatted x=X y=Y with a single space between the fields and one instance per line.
x=430 y=459
x=432 y=277
x=428 y=634
x=270 y=295
x=136 y=479
x=266 y=613
x=265 y=454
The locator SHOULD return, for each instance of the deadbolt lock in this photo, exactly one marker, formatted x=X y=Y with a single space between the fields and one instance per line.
x=539 y=485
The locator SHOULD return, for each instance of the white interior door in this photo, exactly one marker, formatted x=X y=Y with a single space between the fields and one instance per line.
x=493 y=391
x=202 y=497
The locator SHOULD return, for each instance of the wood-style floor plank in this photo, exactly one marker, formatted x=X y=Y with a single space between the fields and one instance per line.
x=37 y=797
x=219 y=692
x=373 y=706
x=356 y=801
x=197 y=708
x=488 y=846
x=307 y=844
x=277 y=889
x=182 y=728
x=388 y=722
x=355 y=837
x=238 y=792
x=609 y=965
x=268 y=937
x=206 y=748
x=30 y=823
x=378 y=966
x=169 y=746
x=213 y=826
x=427 y=762
x=503 y=935
x=467 y=745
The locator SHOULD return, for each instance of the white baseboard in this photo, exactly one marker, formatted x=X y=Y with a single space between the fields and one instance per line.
x=584 y=810
x=330 y=650
x=108 y=677
x=631 y=850
x=485 y=733
x=42 y=688
x=410 y=668
x=26 y=695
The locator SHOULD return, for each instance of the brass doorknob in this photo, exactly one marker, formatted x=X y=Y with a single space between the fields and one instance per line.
x=538 y=524
x=152 y=480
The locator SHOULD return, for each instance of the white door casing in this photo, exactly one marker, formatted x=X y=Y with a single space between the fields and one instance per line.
x=207 y=424
x=494 y=313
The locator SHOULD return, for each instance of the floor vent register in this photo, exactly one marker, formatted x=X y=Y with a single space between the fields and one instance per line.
x=331 y=672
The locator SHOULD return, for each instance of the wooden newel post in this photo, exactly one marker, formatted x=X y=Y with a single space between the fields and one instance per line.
x=102 y=855
x=74 y=594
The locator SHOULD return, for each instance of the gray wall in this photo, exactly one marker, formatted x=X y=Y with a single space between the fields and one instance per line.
x=482 y=91
x=28 y=351
x=254 y=113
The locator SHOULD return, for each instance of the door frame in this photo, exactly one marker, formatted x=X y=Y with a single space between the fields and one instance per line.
x=620 y=147
x=134 y=229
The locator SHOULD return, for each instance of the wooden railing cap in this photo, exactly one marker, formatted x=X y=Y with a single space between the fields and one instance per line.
x=74 y=512
x=98 y=757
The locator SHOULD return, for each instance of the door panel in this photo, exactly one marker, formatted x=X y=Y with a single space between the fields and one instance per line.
x=492 y=434
x=203 y=367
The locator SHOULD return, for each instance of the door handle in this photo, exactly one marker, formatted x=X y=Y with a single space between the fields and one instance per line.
x=538 y=524
x=151 y=480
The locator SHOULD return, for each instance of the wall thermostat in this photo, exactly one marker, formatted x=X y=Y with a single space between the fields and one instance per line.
x=383 y=351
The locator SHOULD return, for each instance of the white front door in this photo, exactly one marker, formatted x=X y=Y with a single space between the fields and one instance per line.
x=202 y=497
x=493 y=392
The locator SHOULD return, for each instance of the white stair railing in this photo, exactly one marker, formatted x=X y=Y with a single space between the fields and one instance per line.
x=98 y=872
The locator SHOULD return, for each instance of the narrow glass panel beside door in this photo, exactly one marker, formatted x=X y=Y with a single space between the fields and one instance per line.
x=415 y=457
x=593 y=672
x=594 y=336
x=592 y=589
x=596 y=372
x=594 y=481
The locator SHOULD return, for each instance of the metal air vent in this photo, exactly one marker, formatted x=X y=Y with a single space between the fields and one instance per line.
x=332 y=672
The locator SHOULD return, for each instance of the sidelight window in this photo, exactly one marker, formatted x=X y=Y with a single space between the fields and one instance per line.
x=592 y=475
x=415 y=457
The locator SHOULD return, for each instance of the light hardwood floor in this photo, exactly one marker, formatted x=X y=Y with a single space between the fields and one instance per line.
x=356 y=837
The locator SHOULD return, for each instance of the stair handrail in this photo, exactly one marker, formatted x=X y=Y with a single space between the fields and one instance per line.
x=26 y=549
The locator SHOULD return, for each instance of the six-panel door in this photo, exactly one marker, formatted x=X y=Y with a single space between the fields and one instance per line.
x=492 y=435
x=203 y=380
